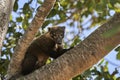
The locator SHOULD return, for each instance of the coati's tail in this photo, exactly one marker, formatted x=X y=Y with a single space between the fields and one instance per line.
x=28 y=64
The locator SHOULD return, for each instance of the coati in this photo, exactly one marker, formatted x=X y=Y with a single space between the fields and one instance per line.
x=45 y=46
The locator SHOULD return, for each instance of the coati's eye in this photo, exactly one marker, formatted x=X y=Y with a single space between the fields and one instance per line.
x=54 y=34
x=61 y=35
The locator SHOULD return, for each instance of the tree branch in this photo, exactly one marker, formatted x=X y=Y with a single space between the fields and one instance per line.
x=83 y=56
x=15 y=63
x=5 y=11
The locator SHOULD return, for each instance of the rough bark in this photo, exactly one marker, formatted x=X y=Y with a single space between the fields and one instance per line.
x=5 y=10
x=83 y=56
x=15 y=63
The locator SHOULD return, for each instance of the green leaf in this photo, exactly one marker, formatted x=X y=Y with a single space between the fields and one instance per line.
x=19 y=19
x=39 y=1
x=24 y=26
x=91 y=5
x=10 y=17
x=15 y=8
x=26 y=8
x=79 y=5
x=112 y=2
x=45 y=24
x=52 y=13
x=76 y=40
x=117 y=49
x=118 y=55
x=101 y=62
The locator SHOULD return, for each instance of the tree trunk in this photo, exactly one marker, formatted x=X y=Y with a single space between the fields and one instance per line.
x=83 y=56
x=14 y=68
x=5 y=10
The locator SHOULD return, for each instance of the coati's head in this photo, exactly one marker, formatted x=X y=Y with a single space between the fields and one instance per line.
x=57 y=34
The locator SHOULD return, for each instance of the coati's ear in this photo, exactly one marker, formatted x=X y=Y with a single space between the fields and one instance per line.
x=49 y=29
x=63 y=28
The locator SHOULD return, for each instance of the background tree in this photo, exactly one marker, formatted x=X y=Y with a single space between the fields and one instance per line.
x=78 y=16
x=5 y=11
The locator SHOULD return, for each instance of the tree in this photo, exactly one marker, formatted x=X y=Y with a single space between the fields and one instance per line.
x=83 y=56
x=93 y=50
x=5 y=8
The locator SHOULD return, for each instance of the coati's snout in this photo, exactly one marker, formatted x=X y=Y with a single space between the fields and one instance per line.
x=59 y=40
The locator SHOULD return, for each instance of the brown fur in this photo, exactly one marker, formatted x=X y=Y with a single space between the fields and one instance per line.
x=45 y=46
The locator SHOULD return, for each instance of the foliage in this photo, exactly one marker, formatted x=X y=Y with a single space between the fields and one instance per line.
x=118 y=54
x=77 y=15
x=98 y=72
